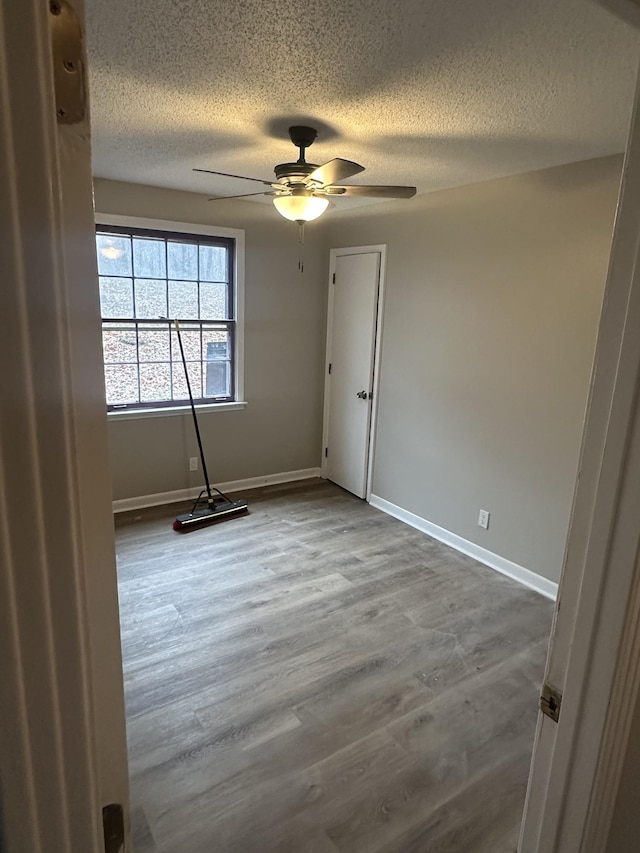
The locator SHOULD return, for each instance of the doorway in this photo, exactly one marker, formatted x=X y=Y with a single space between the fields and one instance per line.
x=354 y=326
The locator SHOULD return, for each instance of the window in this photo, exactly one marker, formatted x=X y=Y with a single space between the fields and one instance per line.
x=151 y=276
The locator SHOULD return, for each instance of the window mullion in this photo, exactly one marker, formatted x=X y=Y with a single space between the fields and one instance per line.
x=138 y=359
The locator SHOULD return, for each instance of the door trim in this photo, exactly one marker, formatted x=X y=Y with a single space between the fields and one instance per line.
x=62 y=738
x=381 y=249
x=595 y=655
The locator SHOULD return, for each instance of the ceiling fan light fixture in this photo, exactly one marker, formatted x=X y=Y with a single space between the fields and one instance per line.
x=300 y=207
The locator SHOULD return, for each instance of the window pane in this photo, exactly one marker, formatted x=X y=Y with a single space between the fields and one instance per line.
x=119 y=344
x=151 y=298
x=144 y=278
x=213 y=263
x=180 y=391
x=213 y=301
x=153 y=344
x=155 y=383
x=217 y=379
x=190 y=342
x=114 y=254
x=122 y=383
x=183 y=299
x=182 y=260
x=149 y=258
x=116 y=297
x=215 y=345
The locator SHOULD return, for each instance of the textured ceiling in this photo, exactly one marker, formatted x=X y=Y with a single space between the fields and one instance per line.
x=434 y=93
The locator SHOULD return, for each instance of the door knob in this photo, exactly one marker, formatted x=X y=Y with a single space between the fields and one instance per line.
x=362 y=395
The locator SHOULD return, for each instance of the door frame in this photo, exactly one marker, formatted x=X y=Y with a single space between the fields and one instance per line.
x=381 y=249
x=62 y=737
x=594 y=657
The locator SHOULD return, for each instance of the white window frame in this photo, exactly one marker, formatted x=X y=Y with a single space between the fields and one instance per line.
x=236 y=234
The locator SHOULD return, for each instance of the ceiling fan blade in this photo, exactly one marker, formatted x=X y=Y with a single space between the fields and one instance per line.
x=373 y=192
x=334 y=170
x=227 y=175
x=242 y=195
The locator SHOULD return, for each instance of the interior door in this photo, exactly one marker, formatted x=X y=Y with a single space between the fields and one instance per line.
x=353 y=315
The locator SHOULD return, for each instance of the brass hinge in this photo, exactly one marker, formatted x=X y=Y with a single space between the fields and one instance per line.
x=334 y=278
x=551 y=702
x=326 y=452
x=68 y=64
x=113 y=828
x=329 y=367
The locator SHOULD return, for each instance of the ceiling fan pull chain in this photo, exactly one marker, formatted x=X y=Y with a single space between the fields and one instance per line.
x=301 y=231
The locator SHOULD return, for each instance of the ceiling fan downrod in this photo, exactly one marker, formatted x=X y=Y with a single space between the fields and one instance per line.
x=302 y=137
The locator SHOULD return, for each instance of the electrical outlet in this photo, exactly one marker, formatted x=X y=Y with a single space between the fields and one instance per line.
x=483 y=518
x=193 y=463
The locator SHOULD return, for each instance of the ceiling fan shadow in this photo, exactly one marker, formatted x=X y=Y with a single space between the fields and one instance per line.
x=278 y=127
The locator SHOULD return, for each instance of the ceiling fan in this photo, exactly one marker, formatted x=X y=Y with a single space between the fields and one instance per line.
x=302 y=190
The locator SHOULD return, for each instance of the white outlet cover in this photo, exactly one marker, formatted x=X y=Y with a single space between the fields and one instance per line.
x=193 y=463
x=483 y=518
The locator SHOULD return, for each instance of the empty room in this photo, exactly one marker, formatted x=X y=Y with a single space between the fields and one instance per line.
x=396 y=390
x=337 y=309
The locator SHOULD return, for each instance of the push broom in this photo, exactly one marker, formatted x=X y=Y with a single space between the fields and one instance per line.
x=211 y=504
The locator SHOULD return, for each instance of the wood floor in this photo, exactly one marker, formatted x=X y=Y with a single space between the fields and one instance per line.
x=317 y=677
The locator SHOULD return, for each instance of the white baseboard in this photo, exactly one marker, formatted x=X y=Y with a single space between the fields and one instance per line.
x=143 y=501
x=524 y=576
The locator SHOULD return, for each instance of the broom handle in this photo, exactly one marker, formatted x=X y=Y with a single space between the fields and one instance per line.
x=193 y=412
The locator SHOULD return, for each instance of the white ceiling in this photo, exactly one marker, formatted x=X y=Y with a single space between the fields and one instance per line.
x=435 y=93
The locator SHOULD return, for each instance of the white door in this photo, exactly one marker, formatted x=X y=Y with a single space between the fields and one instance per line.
x=62 y=738
x=352 y=322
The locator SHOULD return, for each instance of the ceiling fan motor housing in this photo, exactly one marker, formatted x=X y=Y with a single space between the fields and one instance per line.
x=292 y=172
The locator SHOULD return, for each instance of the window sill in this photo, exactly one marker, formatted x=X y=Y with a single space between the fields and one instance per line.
x=135 y=414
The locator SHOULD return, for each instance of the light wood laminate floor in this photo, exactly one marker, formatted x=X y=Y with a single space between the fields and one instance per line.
x=317 y=677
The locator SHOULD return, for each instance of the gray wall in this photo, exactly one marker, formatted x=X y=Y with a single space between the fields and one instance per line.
x=285 y=318
x=493 y=300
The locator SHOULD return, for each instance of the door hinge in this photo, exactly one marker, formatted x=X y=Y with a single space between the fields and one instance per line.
x=334 y=278
x=68 y=62
x=326 y=452
x=329 y=367
x=113 y=828
x=551 y=702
